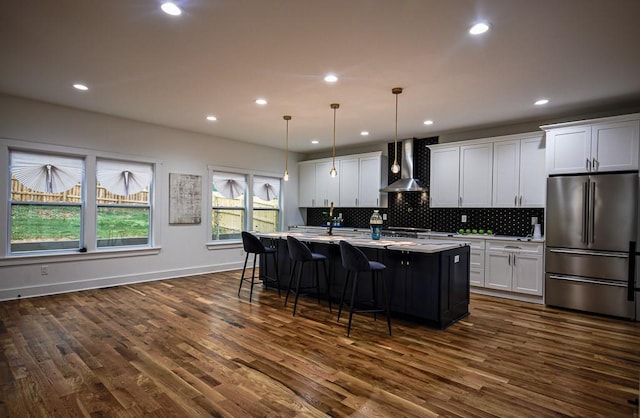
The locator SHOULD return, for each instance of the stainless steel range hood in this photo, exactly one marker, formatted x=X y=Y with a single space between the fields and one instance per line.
x=406 y=183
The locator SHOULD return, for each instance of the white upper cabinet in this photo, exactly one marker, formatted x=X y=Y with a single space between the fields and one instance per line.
x=327 y=187
x=369 y=182
x=519 y=178
x=357 y=184
x=475 y=175
x=505 y=171
x=307 y=185
x=597 y=145
x=445 y=177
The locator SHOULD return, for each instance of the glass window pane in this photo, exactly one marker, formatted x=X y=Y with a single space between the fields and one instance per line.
x=46 y=201
x=38 y=227
x=266 y=220
x=227 y=223
x=119 y=226
x=122 y=194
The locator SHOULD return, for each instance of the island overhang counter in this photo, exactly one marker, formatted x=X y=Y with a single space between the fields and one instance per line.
x=427 y=281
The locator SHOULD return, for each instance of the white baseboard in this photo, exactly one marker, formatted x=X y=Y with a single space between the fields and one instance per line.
x=97 y=283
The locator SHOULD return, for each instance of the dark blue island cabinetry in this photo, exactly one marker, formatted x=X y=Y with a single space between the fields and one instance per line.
x=426 y=283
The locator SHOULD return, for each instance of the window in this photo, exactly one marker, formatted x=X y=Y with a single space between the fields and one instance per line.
x=67 y=200
x=266 y=204
x=229 y=203
x=122 y=199
x=46 y=201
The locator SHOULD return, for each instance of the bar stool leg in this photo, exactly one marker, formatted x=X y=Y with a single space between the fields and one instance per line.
x=344 y=292
x=293 y=270
x=353 y=296
x=295 y=302
x=242 y=275
x=253 y=276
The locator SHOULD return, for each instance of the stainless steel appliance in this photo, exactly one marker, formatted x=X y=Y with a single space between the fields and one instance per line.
x=590 y=221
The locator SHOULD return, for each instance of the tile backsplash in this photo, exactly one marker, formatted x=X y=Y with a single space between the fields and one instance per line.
x=412 y=209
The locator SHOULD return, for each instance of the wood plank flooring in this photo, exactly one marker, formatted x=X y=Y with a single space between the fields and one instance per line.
x=190 y=347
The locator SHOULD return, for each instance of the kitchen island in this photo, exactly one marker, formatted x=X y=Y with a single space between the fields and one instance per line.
x=427 y=280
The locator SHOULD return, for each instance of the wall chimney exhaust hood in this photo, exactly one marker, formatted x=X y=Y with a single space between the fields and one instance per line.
x=406 y=183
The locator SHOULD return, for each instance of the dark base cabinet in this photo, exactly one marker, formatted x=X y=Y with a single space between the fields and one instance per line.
x=429 y=288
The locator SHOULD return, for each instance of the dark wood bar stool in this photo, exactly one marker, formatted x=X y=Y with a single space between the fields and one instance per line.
x=356 y=262
x=253 y=245
x=300 y=254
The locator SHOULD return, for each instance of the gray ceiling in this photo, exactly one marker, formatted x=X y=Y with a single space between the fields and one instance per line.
x=220 y=55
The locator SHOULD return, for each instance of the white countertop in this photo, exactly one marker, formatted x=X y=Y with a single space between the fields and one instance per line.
x=400 y=244
x=350 y=231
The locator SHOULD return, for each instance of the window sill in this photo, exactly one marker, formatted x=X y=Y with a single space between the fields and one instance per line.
x=229 y=244
x=32 y=258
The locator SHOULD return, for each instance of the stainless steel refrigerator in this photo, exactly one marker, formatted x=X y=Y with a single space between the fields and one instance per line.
x=590 y=220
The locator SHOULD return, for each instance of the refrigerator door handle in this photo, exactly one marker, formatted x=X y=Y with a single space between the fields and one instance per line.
x=586 y=252
x=631 y=282
x=590 y=281
x=585 y=211
x=592 y=212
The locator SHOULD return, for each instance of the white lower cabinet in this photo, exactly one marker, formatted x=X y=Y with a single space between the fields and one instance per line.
x=514 y=267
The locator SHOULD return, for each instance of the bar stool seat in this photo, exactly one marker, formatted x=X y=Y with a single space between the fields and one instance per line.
x=356 y=262
x=300 y=254
x=253 y=245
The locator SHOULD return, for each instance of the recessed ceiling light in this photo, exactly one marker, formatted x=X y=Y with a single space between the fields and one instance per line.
x=80 y=87
x=479 y=28
x=331 y=78
x=261 y=102
x=211 y=118
x=314 y=141
x=428 y=122
x=364 y=133
x=171 y=9
x=541 y=102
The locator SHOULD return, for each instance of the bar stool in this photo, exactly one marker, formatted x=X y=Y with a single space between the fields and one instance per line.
x=300 y=254
x=253 y=245
x=356 y=262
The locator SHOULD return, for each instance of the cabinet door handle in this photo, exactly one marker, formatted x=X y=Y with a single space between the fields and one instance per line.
x=588 y=164
x=356 y=201
x=595 y=164
x=460 y=201
x=520 y=200
x=514 y=260
x=515 y=200
x=509 y=262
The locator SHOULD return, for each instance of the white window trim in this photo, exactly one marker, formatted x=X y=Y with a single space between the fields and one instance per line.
x=237 y=243
x=90 y=207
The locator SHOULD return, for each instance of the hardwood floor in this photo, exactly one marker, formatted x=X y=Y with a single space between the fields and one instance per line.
x=191 y=347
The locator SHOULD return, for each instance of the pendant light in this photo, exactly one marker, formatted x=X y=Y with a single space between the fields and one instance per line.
x=395 y=167
x=286 y=150
x=333 y=171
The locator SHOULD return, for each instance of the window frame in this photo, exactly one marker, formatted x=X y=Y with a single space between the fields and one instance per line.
x=88 y=247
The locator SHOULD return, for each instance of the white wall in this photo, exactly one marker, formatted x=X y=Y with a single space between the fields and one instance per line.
x=183 y=250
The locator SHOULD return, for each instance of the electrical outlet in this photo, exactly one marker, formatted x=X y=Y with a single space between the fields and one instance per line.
x=384 y=216
x=44 y=270
x=534 y=220
x=464 y=218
